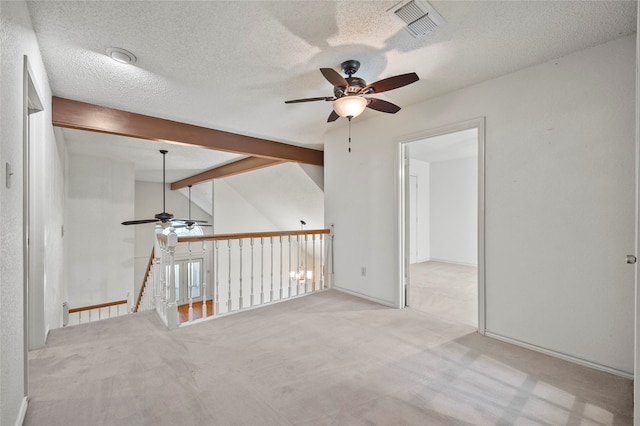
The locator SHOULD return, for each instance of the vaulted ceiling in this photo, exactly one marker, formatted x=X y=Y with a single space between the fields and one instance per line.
x=230 y=65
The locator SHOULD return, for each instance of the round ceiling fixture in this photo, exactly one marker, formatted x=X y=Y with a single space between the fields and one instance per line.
x=121 y=55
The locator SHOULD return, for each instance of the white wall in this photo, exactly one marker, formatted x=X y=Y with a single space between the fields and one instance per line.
x=98 y=249
x=559 y=201
x=420 y=169
x=48 y=162
x=284 y=194
x=454 y=211
x=232 y=213
x=18 y=39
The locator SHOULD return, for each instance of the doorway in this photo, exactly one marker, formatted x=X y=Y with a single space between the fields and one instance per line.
x=188 y=280
x=442 y=211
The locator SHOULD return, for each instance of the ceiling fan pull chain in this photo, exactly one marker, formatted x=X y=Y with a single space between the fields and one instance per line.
x=349 y=133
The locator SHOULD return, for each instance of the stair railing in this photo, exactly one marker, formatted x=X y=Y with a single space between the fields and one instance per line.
x=90 y=313
x=146 y=279
x=240 y=271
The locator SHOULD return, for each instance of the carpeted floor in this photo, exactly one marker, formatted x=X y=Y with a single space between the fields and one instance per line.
x=323 y=359
x=446 y=290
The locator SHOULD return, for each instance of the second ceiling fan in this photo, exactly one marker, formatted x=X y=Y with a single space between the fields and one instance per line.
x=349 y=93
x=165 y=217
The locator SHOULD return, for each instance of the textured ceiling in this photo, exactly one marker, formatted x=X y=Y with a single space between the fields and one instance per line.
x=231 y=65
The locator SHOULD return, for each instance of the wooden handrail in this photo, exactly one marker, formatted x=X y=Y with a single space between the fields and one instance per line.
x=213 y=237
x=144 y=279
x=101 y=305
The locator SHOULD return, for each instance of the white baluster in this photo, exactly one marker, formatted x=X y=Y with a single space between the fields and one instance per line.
x=261 y=270
x=305 y=269
x=322 y=261
x=240 y=304
x=313 y=263
x=271 y=268
x=298 y=275
x=216 y=296
x=229 y=303
x=281 y=289
x=172 y=306
x=190 y=283
x=290 y=271
x=204 y=284
x=251 y=297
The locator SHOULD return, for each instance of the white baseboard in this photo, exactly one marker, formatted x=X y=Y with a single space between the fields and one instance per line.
x=364 y=296
x=562 y=356
x=23 y=411
x=453 y=262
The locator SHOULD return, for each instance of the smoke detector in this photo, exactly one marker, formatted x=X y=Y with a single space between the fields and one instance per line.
x=418 y=16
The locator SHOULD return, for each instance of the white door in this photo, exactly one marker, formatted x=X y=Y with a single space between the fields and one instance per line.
x=188 y=280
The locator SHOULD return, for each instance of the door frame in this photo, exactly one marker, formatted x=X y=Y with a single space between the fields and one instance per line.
x=403 y=208
x=183 y=279
x=32 y=103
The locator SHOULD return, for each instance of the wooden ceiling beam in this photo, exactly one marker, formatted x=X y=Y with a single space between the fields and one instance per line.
x=241 y=166
x=94 y=118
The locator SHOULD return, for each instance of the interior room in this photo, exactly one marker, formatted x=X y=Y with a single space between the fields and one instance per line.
x=443 y=226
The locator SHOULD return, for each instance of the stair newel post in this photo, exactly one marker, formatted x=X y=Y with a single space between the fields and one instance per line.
x=261 y=270
x=204 y=282
x=172 y=306
x=330 y=260
x=190 y=281
x=251 y=297
x=158 y=265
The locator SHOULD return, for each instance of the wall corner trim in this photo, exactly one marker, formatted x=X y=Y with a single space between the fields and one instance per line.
x=23 y=411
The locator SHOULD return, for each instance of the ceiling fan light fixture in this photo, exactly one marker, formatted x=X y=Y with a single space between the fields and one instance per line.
x=349 y=106
x=121 y=55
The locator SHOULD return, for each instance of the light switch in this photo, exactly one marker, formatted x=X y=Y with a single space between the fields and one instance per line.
x=9 y=174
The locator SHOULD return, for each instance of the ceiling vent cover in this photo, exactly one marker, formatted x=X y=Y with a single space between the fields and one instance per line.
x=419 y=17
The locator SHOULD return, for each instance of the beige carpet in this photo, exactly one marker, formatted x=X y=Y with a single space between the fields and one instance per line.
x=446 y=290
x=323 y=359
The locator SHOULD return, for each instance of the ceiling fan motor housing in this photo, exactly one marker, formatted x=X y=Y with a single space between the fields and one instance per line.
x=350 y=67
x=164 y=217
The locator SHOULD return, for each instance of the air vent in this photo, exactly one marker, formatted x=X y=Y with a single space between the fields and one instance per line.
x=419 y=17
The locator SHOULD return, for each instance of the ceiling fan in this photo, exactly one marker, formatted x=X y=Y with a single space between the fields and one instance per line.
x=165 y=217
x=349 y=93
x=189 y=223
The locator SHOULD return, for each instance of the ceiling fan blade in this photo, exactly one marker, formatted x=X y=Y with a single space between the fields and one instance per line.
x=325 y=98
x=383 y=106
x=390 y=83
x=334 y=78
x=138 y=222
x=189 y=220
x=333 y=116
